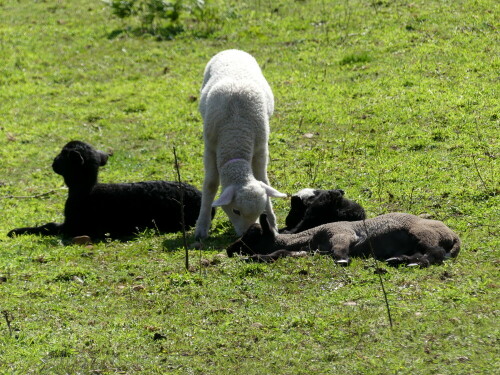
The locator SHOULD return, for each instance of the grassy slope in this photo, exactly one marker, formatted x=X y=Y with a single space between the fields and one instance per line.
x=401 y=99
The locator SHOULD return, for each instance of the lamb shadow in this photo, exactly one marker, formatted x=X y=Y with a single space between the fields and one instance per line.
x=175 y=244
x=82 y=240
x=218 y=240
x=87 y=240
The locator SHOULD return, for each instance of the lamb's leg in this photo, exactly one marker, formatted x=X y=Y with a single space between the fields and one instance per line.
x=428 y=242
x=49 y=229
x=266 y=258
x=210 y=186
x=435 y=255
x=270 y=214
x=259 y=168
x=339 y=247
x=403 y=260
x=305 y=224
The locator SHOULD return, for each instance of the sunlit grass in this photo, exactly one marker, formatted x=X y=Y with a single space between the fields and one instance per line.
x=399 y=104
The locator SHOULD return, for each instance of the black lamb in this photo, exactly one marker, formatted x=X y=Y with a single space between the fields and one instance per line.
x=310 y=208
x=116 y=210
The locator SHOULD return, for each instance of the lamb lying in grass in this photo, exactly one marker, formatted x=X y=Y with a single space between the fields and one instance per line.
x=118 y=210
x=310 y=208
x=236 y=103
x=396 y=238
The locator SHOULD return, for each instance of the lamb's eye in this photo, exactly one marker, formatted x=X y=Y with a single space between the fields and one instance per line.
x=237 y=212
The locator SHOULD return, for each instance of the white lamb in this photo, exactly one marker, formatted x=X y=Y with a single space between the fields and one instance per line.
x=236 y=103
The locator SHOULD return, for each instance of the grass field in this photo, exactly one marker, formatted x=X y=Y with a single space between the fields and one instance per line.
x=396 y=102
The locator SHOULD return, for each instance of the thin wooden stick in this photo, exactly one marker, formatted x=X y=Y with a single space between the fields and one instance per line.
x=183 y=222
x=478 y=173
x=388 y=307
x=8 y=319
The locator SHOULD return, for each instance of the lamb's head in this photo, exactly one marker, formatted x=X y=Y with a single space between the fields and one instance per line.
x=79 y=163
x=298 y=205
x=330 y=198
x=260 y=238
x=325 y=207
x=244 y=203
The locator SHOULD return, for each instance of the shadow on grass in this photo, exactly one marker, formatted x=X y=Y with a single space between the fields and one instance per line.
x=218 y=240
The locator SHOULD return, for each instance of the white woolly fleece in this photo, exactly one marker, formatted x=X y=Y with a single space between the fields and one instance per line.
x=236 y=103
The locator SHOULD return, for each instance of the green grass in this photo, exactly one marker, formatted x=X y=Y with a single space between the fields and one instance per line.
x=401 y=99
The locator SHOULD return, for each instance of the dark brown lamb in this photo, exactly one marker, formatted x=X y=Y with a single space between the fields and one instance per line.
x=397 y=238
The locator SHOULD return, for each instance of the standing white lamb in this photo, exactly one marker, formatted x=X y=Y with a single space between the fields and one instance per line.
x=236 y=103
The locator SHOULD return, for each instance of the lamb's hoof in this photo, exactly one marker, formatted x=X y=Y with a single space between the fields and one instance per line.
x=198 y=245
x=394 y=261
x=200 y=235
x=255 y=259
x=343 y=262
x=82 y=240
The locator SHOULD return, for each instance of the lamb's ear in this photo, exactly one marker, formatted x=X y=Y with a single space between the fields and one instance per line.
x=272 y=192
x=76 y=158
x=225 y=198
x=295 y=201
x=335 y=194
x=104 y=158
x=264 y=224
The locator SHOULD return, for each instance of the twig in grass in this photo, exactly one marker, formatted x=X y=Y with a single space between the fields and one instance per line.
x=410 y=203
x=32 y=196
x=379 y=187
x=156 y=226
x=327 y=35
x=312 y=169
x=388 y=307
x=478 y=173
x=300 y=122
x=200 y=262
x=347 y=18
x=183 y=222
x=8 y=319
x=344 y=140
